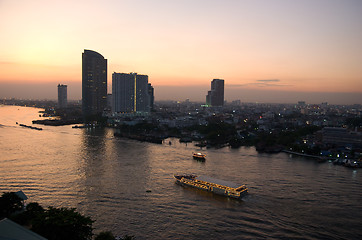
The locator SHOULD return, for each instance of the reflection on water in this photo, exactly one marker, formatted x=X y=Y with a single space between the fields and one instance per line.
x=128 y=186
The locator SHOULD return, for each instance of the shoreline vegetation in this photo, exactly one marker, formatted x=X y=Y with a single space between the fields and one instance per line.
x=140 y=132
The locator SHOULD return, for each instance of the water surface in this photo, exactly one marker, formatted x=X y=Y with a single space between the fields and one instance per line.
x=128 y=186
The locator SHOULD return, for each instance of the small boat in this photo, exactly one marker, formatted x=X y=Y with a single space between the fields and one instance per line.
x=213 y=185
x=353 y=163
x=199 y=156
x=76 y=126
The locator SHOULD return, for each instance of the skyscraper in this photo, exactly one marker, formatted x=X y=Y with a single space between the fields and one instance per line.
x=130 y=93
x=62 y=96
x=94 y=83
x=151 y=95
x=215 y=97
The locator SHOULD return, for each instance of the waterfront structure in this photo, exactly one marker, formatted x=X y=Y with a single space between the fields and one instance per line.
x=62 y=96
x=215 y=97
x=94 y=83
x=341 y=137
x=131 y=93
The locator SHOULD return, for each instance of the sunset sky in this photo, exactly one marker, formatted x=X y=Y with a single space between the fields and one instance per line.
x=265 y=50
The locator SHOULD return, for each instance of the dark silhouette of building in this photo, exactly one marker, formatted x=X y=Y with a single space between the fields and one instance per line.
x=151 y=95
x=94 y=83
x=130 y=93
x=109 y=102
x=215 y=97
x=62 y=96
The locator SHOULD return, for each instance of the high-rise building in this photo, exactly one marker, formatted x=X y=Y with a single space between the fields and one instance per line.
x=62 y=96
x=208 y=98
x=151 y=95
x=130 y=93
x=94 y=83
x=215 y=97
x=109 y=102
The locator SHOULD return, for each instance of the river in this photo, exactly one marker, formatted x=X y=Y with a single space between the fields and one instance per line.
x=127 y=186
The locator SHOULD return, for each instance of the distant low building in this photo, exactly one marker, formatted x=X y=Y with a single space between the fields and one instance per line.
x=301 y=104
x=236 y=102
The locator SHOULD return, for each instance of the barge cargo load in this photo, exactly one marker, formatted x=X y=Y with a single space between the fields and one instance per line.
x=210 y=184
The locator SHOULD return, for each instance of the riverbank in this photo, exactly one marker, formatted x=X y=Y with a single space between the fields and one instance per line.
x=319 y=158
x=57 y=122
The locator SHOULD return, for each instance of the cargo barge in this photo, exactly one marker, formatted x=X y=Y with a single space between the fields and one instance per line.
x=213 y=185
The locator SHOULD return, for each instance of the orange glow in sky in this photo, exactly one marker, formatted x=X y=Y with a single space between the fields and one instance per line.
x=275 y=45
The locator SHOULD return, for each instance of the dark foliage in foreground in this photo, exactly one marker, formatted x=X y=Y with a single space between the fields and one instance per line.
x=51 y=223
x=62 y=223
x=9 y=204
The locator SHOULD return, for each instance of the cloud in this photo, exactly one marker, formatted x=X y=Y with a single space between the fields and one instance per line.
x=268 y=80
x=270 y=83
x=261 y=84
x=238 y=85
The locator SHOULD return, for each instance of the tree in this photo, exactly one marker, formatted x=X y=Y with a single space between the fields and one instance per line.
x=126 y=237
x=62 y=223
x=9 y=204
x=32 y=211
x=52 y=223
x=105 y=236
x=34 y=208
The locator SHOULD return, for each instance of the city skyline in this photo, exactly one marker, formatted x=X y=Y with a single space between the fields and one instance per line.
x=267 y=51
